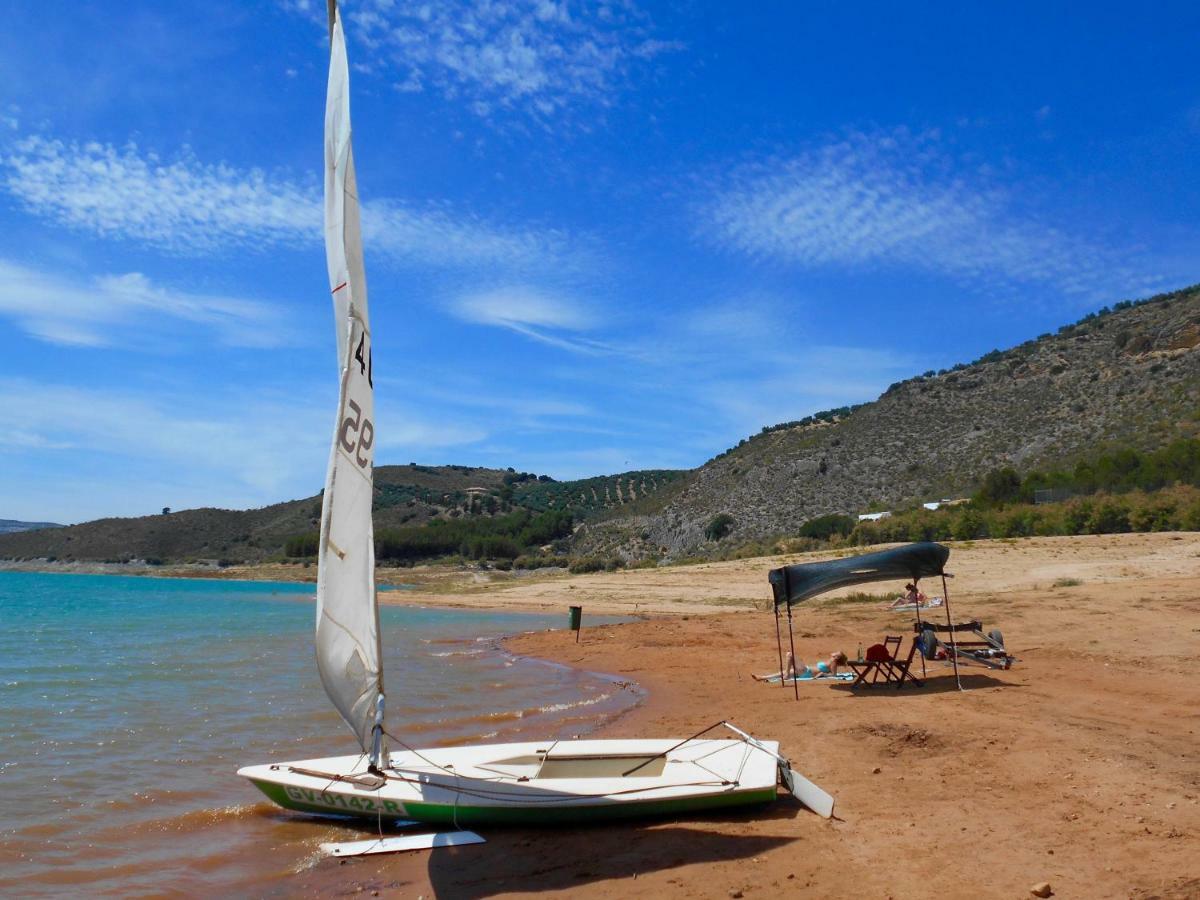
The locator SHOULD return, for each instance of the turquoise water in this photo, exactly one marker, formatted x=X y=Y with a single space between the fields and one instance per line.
x=127 y=704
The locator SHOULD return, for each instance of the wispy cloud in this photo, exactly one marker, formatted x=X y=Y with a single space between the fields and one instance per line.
x=99 y=312
x=257 y=446
x=209 y=446
x=534 y=56
x=189 y=207
x=553 y=320
x=900 y=199
x=183 y=206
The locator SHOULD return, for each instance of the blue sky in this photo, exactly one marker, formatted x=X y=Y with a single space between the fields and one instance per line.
x=598 y=237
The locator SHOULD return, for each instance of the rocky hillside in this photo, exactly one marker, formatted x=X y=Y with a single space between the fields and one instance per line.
x=404 y=495
x=1128 y=376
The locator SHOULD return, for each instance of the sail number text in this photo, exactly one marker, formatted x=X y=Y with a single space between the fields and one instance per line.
x=362 y=432
x=365 y=363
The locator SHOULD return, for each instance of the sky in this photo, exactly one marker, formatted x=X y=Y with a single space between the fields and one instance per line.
x=598 y=236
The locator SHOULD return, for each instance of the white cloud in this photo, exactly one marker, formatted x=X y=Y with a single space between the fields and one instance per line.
x=125 y=309
x=900 y=200
x=209 y=447
x=184 y=206
x=257 y=446
x=189 y=207
x=535 y=56
x=440 y=238
x=548 y=319
x=511 y=307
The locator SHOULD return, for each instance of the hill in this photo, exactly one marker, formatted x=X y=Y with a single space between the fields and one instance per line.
x=1123 y=377
x=1126 y=376
x=410 y=495
x=12 y=526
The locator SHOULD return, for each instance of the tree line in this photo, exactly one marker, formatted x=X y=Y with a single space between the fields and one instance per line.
x=498 y=537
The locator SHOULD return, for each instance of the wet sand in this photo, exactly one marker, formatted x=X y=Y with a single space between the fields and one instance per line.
x=1078 y=767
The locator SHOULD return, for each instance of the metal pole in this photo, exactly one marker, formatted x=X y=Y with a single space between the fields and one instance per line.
x=792 y=644
x=953 y=644
x=920 y=630
x=779 y=646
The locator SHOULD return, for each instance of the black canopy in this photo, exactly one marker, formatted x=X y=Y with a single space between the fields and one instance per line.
x=794 y=584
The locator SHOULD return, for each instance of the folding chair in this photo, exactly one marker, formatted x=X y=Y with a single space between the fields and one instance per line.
x=898 y=670
x=873 y=667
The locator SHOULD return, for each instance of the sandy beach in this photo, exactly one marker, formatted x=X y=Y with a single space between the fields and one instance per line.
x=1077 y=767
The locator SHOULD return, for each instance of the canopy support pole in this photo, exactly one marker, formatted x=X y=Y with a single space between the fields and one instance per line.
x=792 y=644
x=779 y=647
x=953 y=643
x=920 y=629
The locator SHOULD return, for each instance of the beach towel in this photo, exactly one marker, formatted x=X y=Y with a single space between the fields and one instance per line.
x=808 y=676
x=934 y=603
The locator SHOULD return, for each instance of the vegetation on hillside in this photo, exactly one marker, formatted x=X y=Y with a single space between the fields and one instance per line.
x=1124 y=377
x=1121 y=490
x=1121 y=470
x=484 y=537
x=1168 y=509
x=589 y=496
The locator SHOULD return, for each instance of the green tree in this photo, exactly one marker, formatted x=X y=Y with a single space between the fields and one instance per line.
x=1000 y=486
x=824 y=527
x=302 y=545
x=719 y=526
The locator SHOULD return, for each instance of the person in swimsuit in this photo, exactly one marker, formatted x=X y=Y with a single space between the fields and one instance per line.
x=912 y=597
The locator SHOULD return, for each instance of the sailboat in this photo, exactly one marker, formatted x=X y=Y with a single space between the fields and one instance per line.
x=531 y=783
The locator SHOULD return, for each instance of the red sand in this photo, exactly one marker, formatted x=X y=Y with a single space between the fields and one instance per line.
x=1079 y=767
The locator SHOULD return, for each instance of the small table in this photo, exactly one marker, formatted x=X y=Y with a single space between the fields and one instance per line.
x=864 y=667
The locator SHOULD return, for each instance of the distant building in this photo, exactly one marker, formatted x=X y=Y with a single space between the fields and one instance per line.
x=938 y=504
x=873 y=517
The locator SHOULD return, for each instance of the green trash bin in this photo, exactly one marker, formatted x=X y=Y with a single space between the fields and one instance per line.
x=575 y=619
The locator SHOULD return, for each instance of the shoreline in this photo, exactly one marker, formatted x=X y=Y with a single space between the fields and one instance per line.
x=712 y=588
x=1074 y=767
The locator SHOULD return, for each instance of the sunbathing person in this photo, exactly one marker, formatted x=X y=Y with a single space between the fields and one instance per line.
x=789 y=671
x=912 y=597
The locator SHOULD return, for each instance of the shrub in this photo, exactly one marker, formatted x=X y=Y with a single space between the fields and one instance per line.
x=1076 y=515
x=1108 y=517
x=1016 y=523
x=719 y=526
x=968 y=525
x=1158 y=515
x=302 y=545
x=1000 y=486
x=824 y=527
x=584 y=564
x=1189 y=518
x=538 y=562
x=648 y=563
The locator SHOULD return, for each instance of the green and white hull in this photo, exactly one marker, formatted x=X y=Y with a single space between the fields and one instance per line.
x=528 y=783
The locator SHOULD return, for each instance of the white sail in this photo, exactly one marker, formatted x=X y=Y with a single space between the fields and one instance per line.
x=348 y=651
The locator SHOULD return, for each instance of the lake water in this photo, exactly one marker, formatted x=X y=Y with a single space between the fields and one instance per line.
x=127 y=704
